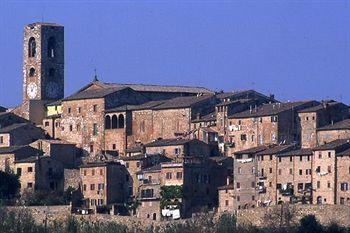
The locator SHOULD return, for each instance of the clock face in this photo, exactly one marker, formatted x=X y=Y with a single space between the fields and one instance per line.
x=52 y=90
x=32 y=90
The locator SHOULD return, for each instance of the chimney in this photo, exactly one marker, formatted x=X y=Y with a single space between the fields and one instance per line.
x=272 y=96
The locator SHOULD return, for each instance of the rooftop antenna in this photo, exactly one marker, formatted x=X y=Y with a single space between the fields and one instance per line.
x=95 y=76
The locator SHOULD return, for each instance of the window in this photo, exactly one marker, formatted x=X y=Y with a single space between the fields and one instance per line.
x=46 y=125
x=101 y=186
x=114 y=122
x=270 y=157
x=107 y=122
x=84 y=187
x=31 y=47
x=137 y=164
x=85 y=172
x=291 y=171
x=308 y=158
x=274 y=118
x=226 y=202
x=69 y=110
x=320 y=155
x=1 y=139
x=127 y=164
x=318 y=169
x=279 y=171
x=270 y=169
x=238 y=198
x=253 y=198
x=78 y=127
x=93 y=172
x=178 y=175
x=243 y=137
x=300 y=186
x=177 y=151
x=51 y=47
x=79 y=109
x=114 y=146
x=95 y=129
x=30 y=185
x=279 y=159
x=329 y=169
x=31 y=72
x=291 y=158
x=168 y=175
x=30 y=169
x=121 y=121
x=92 y=186
x=142 y=126
x=71 y=128
x=253 y=184
x=91 y=148
x=19 y=171
x=329 y=154
x=94 y=108
x=329 y=184
x=300 y=158
x=238 y=185
x=239 y=170
x=344 y=186
x=300 y=172
x=342 y=200
x=318 y=184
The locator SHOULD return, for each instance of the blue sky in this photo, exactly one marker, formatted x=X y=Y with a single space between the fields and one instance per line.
x=294 y=49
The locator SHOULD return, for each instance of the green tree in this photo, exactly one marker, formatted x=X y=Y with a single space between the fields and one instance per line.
x=309 y=224
x=9 y=185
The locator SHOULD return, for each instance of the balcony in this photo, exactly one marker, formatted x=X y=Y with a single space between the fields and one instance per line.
x=151 y=181
x=287 y=192
x=261 y=189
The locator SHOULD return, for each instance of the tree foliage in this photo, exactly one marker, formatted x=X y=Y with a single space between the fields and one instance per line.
x=9 y=185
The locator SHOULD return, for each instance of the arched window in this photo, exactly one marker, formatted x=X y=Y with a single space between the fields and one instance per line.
x=51 y=47
x=31 y=47
x=31 y=72
x=51 y=72
x=114 y=121
x=121 y=121
x=107 y=122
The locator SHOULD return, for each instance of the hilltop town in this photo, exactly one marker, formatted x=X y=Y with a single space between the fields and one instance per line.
x=167 y=152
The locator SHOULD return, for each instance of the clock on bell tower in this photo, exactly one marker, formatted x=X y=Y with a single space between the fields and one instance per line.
x=43 y=67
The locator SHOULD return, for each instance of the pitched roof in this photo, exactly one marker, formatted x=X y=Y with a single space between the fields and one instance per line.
x=93 y=93
x=169 y=142
x=182 y=102
x=160 y=88
x=55 y=103
x=56 y=141
x=345 y=124
x=155 y=168
x=147 y=105
x=208 y=117
x=344 y=153
x=12 y=127
x=31 y=159
x=11 y=149
x=276 y=149
x=297 y=152
x=99 y=164
x=333 y=145
x=271 y=109
x=252 y=150
x=2 y=109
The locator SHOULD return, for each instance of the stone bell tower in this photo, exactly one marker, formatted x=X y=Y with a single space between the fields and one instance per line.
x=43 y=68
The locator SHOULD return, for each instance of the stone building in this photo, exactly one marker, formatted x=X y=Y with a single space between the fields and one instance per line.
x=311 y=119
x=103 y=183
x=331 y=132
x=325 y=172
x=178 y=148
x=39 y=173
x=20 y=134
x=135 y=164
x=61 y=151
x=8 y=118
x=196 y=179
x=43 y=69
x=266 y=125
x=8 y=156
x=343 y=178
